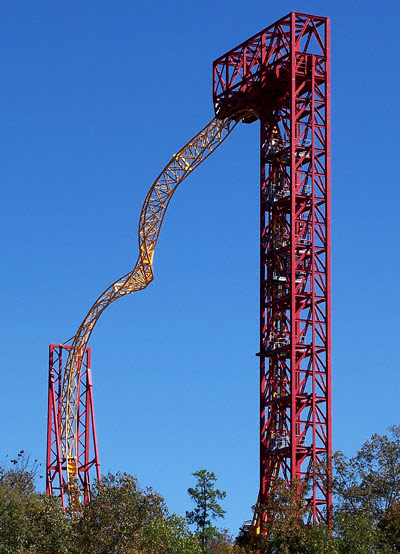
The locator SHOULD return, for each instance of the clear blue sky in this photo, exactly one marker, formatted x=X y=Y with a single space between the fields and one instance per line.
x=95 y=98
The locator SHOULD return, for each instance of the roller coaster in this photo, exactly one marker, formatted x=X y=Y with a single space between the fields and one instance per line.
x=280 y=77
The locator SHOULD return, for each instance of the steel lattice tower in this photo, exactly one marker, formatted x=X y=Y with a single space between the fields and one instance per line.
x=281 y=76
x=88 y=459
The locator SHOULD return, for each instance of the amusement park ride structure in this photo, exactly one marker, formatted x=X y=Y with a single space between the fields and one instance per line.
x=281 y=77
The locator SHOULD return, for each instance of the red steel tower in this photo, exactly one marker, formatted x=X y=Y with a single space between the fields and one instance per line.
x=88 y=458
x=281 y=76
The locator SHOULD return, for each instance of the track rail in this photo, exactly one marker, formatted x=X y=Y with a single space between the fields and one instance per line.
x=151 y=217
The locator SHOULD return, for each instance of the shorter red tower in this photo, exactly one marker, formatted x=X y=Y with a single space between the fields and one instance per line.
x=88 y=458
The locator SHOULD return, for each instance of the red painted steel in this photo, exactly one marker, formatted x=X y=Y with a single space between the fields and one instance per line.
x=88 y=458
x=281 y=76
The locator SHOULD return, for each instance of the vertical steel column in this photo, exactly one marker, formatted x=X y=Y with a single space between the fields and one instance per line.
x=281 y=76
x=56 y=464
x=295 y=327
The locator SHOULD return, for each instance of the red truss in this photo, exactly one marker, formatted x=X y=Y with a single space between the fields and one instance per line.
x=281 y=76
x=88 y=459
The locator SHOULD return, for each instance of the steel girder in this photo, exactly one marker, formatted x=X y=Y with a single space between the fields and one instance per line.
x=281 y=76
x=57 y=466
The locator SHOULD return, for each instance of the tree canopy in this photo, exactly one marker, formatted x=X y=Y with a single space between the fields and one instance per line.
x=205 y=497
x=366 y=508
x=123 y=518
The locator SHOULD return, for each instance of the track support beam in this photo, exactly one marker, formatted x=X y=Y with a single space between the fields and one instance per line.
x=88 y=459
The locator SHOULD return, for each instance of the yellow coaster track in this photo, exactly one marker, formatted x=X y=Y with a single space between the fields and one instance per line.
x=151 y=218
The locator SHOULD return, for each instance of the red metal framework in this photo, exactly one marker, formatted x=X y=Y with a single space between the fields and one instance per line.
x=281 y=76
x=88 y=459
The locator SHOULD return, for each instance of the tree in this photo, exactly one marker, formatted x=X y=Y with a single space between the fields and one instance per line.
x=169 y=535
x=205 y=497
x=357 y=533
x=114 y=521
x=367 y=496
x=284 y=513
x=367 y=493
x=370 y=481
x=321 y=541
x=389 y=525
x=285 y=530
x=223 y=543
x=30 y=522
x=122 y=518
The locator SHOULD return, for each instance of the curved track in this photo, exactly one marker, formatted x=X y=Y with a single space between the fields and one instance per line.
x=151 y=218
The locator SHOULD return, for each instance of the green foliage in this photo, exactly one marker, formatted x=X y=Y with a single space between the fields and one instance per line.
x=320 y=540
x=285 y=512
x=49 y=530
x=366 y=511
x=119 y=511
x=29 y=522
x=389 y=525
x=122 y=518
x=222 y=543
x=370 y=482
x=169 y=535
x=367 y=492
x=357 y=533
x=205 y=497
